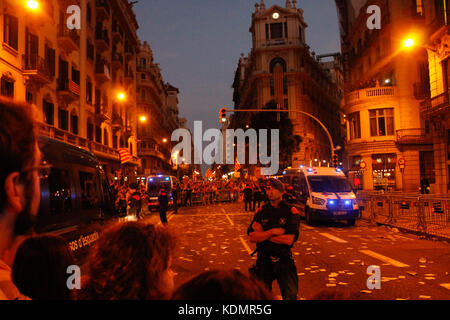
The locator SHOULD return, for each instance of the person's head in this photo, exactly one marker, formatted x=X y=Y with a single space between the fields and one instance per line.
x=222 y=285
x=275 y=190
x=131 y=261
x=40 y=268
x=20 y=160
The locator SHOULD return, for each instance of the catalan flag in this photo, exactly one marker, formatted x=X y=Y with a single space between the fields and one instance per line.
x=209 y=173
x=237 y=165
x=125 y=155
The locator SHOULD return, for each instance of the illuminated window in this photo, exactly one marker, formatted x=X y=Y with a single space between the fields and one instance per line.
x=381 y=122
x=419 y=7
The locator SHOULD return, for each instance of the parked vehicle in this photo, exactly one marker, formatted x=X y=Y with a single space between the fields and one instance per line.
x=153 y=187
x=322 y=194
x=76 y=198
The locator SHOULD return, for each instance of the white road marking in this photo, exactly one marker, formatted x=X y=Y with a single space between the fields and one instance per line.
x=334 y=238
x=229 y=220
x=246 y=245
x=445 y=285
x=378 y=256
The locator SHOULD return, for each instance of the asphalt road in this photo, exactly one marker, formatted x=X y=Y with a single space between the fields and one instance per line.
x=329 y=256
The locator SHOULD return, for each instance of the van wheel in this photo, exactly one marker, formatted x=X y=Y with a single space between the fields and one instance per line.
x=351 y=222
x=309 y=219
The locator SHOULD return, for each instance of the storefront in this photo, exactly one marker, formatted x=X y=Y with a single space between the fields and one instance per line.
x=355 y=174
x=383 y=171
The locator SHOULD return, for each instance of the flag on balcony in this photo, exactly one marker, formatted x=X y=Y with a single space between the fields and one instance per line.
x=125 y=155
x=74 y=88
x=237 y=165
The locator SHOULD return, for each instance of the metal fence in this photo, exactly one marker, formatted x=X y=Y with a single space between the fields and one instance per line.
x=199 y=198
x=423 y=214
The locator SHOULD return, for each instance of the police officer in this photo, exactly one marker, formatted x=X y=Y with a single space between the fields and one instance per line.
x=275 y=229
x=163 y=202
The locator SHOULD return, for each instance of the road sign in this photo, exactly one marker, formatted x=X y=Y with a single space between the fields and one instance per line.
x=363 y=165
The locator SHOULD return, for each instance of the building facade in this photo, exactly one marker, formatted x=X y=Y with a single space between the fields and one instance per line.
x=158 y=103
x=385 y=83
x=281 y=68
x=436 y=110
x=75 y=76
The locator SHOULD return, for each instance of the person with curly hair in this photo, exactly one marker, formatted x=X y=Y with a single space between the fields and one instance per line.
x=222 y=285
x=131 y=261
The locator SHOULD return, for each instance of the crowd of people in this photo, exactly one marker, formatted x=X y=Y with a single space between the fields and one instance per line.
x=131 y=260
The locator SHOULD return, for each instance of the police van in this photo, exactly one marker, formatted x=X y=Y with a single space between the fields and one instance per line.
x=76 y=198
x=153 y=186
x=322 y=193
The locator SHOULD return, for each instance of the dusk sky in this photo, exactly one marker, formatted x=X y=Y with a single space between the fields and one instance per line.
x=198 y=44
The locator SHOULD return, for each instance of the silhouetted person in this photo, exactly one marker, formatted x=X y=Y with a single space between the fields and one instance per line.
x=248 y=193
x=163 y=204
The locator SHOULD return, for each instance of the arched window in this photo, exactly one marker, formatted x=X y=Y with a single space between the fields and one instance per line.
x=105 y=137
x=49 y=112
x=277 y=62
x=73 y=122
x=90 y=129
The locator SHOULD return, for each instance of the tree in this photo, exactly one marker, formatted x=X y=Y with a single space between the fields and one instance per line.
x=289 y=142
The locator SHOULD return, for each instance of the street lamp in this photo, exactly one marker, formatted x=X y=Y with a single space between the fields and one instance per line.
x=408 y=43
x=143 y=119
x=32 y=4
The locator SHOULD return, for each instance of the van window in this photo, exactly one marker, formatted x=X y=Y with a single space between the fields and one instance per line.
x=89 y=193
x=60 y=192
x=329 y=184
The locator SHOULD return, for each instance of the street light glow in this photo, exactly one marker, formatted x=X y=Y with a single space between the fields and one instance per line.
x=164 y=140
x=409 y=43
x=121 y=96
x=143 y=119
x=32 y=4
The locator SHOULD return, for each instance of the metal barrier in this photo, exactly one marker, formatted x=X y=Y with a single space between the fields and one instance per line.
x=424 y=214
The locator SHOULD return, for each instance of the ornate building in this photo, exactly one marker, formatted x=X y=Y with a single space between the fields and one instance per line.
x=158 y=103
x=281 y=68
x=73 y=76
x=436 y=110
x=385 y=83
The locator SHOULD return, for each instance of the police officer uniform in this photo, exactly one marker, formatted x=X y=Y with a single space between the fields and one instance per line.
x=275 y=261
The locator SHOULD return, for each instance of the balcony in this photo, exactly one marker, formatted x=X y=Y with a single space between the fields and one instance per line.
x=116 y=33
x=62 y=135
x=129 y=54
x=413 y=137
x=101 y=40
x=68 y=90
x=436 y=105
x=277 y=42
x=102 y=73
x=359 y=96
x=102 y=9
x=100 y=114
x=69 y=40
x=117 y=121
x=117 y=60
x=37 y=69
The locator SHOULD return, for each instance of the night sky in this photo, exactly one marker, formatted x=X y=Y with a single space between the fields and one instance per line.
x=198 y=44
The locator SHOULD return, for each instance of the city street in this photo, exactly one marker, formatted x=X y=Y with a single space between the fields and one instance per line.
x=328 y=255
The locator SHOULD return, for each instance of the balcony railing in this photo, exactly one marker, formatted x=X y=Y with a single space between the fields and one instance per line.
x=370 y=93
x=102 y=39
x=413 y=136
x=68 y=39
x=103 y=9
x=37 y=68
x=436 y=105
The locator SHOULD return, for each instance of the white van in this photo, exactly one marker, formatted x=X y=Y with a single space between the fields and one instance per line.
x=322 y=194
x=153 y=187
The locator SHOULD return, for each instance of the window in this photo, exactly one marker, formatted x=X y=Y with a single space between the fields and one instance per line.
x=285 y=30
x=49 y=111
x=419 y=7
x=90 y=50
x=143 y=62
x=89 y=192
x=89 y=14
x=76 y=76
x=7 y=87
x=50 y=57
x=90 y=131
x=355 y=125
x=381 y=122
x=98 y=134
x=267 y=32
x=63 y=119
x=115 y=139
x=105 y=137
x=29 y=97
x=60 y=192
x=74 y=123
x=300 y=33
x=276 y=30
x=88 y=91
x=143 y=76
x=11 y=31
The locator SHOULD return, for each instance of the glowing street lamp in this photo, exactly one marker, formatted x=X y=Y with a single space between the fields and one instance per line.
x=408 y=43
x=164 y=140
x=32 y=4
x=121 y=96
x=143 y=119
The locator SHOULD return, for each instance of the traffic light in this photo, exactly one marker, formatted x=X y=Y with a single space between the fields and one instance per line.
x=223 y=115
x=335 y=160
